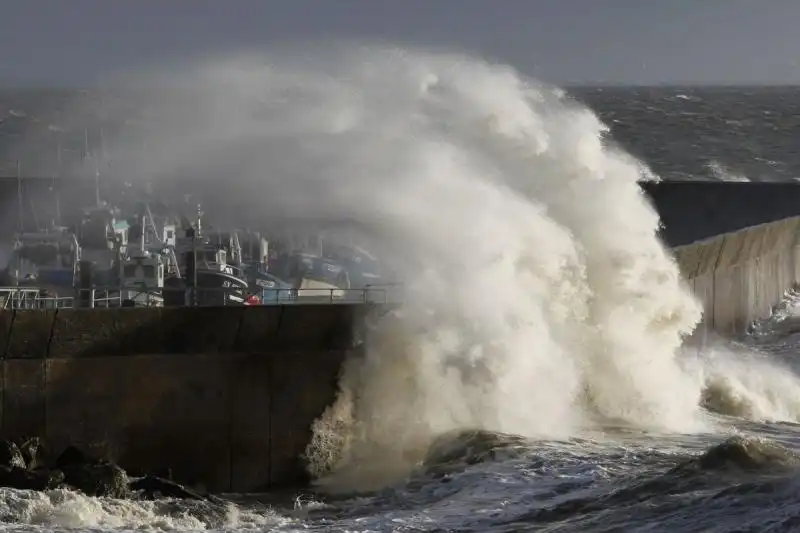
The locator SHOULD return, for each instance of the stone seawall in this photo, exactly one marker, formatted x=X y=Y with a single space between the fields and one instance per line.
x=740 y=276
x=224 y=397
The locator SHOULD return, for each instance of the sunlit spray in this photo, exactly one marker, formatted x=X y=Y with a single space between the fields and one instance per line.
x=537 y=296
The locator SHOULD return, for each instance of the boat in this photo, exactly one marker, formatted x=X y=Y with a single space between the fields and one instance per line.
x=269 y=288
x=103 y=238
x=203 y=275
x=46 y=260
x=363 y=268
x=255 y=249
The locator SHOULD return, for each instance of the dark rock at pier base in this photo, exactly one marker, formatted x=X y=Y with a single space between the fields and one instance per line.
x=19 y=467
x=22 y=478
x=153 y=487
x=93 y=477
x=33 y=453
x=22 y=466
x=10 y=455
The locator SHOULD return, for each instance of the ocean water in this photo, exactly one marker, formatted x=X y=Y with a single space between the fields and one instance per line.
x=536 y=378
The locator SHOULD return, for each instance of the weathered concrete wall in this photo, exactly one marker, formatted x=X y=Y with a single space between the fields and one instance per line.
x=741 y=276
x=736 y=243
x=225 y=397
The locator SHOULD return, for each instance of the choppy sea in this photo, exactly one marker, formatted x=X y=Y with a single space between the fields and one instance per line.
x=739 y=472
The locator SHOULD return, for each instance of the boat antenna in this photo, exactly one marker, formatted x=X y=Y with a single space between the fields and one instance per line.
x=198 y=224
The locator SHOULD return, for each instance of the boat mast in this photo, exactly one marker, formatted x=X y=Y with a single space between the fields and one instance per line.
x=100 y=161
x=195 y=235
x=19 y=196
x=57 y=175
x=144 y=230
x=19 y=208
x=102 y=146
x=96 y=182
x=87 y=155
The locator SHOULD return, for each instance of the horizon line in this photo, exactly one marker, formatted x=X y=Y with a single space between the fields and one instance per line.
x=14 y=86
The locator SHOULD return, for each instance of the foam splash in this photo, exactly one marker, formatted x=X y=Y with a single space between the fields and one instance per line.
x=721 y=173
x=756 y=379
x=538 y=298
x=61 y=510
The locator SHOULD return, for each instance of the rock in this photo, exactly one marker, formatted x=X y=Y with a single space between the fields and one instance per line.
x=98 y=478
x=32 y=450
x=10 y=456
x=153 y=487
x=21 y=478
x=22 y=466
x=91 y=476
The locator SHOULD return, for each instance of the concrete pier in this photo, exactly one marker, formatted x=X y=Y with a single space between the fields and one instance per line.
x=737 y=245
x=225 y=397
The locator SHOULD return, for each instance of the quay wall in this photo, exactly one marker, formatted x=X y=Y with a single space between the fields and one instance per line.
x=736 y=244
x=223 y=397
x=740 y=276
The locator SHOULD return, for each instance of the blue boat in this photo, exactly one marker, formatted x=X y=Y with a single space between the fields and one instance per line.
x=48 y=260
x=269 y=288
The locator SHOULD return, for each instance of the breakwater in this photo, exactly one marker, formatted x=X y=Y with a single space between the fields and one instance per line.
x=223 y=397
x=736 y=245
x=740 y=276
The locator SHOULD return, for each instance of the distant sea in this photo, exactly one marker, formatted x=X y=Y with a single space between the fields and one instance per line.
x=680 y=132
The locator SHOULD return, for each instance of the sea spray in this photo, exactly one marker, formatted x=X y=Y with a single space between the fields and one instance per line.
x=537 y=295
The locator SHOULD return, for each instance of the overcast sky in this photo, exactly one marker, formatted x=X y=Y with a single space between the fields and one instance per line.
x=564 y=41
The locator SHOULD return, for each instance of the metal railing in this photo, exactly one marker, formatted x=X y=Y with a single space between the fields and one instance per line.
x=332 y=296
x=115 y=297
x=30 y=298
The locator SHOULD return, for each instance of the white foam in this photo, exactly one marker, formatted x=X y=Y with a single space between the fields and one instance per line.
x=62 y=510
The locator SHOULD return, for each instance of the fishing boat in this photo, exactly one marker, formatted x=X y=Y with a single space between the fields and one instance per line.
x=269 y=288
x=47 y=260
x=203 y=275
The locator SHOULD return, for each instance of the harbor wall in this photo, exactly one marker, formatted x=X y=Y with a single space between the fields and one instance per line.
x=740 y=276
x=223 y=397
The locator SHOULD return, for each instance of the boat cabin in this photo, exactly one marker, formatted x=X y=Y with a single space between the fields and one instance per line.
x=142 y=279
